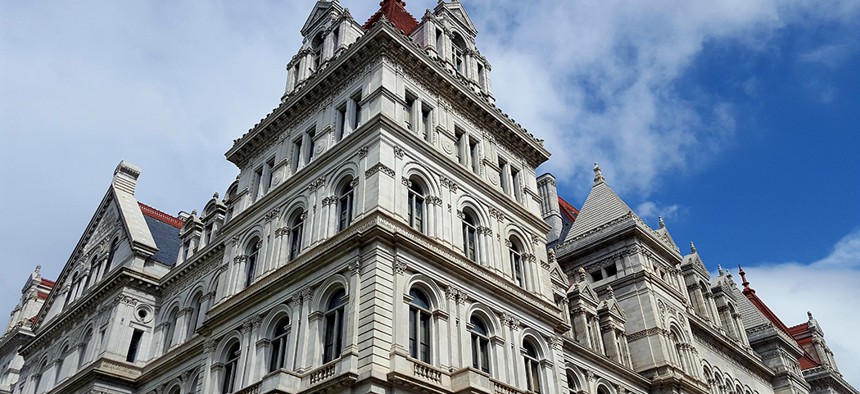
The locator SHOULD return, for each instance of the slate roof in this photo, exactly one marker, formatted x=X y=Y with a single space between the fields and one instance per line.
x=395 y=12
x=600 y=207
x=165 y=232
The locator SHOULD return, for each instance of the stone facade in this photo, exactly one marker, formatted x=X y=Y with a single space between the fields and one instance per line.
x=387 y=232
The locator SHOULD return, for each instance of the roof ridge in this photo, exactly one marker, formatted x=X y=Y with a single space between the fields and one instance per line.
x=165 y=218
x=395 y=11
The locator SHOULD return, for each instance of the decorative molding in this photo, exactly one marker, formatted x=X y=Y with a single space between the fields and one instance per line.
x=399 y=152
x=379 y=167
x=448 y=184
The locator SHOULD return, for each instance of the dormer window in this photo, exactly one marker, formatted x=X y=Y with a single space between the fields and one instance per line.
x=458 y=53
x=317 y=51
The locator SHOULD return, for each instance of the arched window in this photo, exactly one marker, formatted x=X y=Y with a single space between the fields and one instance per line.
x=532 y=363
x=278 y=355
x=317 y=48
x=572 y=382
x=83 y=355
x=71 y=292
x=58 y=374
x=91 y=276
x=231 y=364
x=334 y=326
x=296 y=226
x=480 y=344
x=415 y=210
x=194 y=316
x=516 y=255
x=344 y=204
x=419 y=326
x=170 y=328
x=113 y=247
x=470 y=236
x=252 y=254
x=458 y=53
x=38 y=382
x=602 y=390
x=676 y=339
x=174 y=390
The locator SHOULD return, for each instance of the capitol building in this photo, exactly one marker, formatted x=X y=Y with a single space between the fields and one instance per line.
x=387 y=232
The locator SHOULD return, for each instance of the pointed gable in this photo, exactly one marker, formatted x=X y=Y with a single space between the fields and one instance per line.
x=321 y=9
x=395 y=12
x=601 y=206
x=458 y=14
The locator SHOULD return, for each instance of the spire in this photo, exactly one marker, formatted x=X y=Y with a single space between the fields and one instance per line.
x=395 y=12
x=720 y=269
x=693 y=248
x=598 y=176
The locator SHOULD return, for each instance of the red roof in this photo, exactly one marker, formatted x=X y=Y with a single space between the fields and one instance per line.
x=48 y=282
x=567 y=209
x=395 y=12
x=760 y=305
x=146 y=210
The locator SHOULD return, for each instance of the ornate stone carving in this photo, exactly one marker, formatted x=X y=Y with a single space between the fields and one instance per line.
x=448 y=184
x=399 y=152
x=379 y=167
x=362 y=153
x=316 y=184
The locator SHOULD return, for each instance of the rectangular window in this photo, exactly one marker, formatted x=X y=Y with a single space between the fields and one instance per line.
x=611 y=270
x=267 y=172
x=256 y=184
x=516 y=181
x=439 y=37
x=340 y=129
x=460 y=135
x=503 y=176
x=311 y=143
x=427 y=122
x=410 y=112
x=481 y=76
x=473 y=152
x=597 y=275
x=134 y=345
x=297 y=154
x=356 y=99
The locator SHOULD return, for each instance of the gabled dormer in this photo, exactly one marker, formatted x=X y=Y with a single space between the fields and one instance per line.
x=612 y=331
x=448 y=34
x=697 y=279
x=328 y=30
x=583 y=304
x=214 y=214
x=191 y=233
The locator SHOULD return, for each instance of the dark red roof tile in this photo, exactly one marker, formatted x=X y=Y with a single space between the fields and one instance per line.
x=396 y=13
x=160 y=216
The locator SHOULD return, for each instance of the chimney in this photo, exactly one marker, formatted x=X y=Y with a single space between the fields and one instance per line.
x=125 y=177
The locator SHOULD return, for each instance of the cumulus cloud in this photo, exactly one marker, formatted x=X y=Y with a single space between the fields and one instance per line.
x=602 y=78
x=827 y=288
x=651 y=210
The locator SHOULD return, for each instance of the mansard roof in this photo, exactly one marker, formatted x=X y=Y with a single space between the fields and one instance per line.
x=165 y=232
x=600 y=207
x=396 y=13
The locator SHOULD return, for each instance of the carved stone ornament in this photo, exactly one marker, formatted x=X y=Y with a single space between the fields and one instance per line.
x=379 y=167
x=399 y=267
x=399 y=152
x=448 y=146
x=362 y=153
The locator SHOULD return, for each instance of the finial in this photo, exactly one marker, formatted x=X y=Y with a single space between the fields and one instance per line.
x=693 y=247
x=662 y=224
x=809 y=315
x=720 y=269
x=598 y=176
x=581 y=273
x=611 y=293
x=193 y=212
x=215 y=195
x=743 y=277
x=38 y=270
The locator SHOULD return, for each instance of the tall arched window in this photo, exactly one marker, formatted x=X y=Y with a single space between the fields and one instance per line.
x=83 y=355
x=91 y=276
x=174 y=390
x=602 y=390
x=532 y=363
x=572 y=382
x=194 y=316
x=516 y=255
x=470 y=236
x=42 y=368
x=334 y=314
x=252 y=254
x=278 y=355
x=676 y=339
x=480 y=344
x=170 y=328
x=458 y=53
x=419 y=326
x=58 y=374
x=113 y=247
x=317 y=48
x=344 y=204
x=231 y=364
x=415 y=210
x=296 y=226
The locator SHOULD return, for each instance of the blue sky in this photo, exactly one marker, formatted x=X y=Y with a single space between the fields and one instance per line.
x=738 y=121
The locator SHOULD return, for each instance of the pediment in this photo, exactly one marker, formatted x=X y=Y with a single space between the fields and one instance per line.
x=558 y=275
x=460 y=15
x=319 y=12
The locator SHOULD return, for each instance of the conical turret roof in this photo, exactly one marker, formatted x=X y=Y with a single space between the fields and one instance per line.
x=601 y=206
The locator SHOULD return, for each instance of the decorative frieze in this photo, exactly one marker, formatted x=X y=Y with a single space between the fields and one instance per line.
x=448 y=184
x=379 y=167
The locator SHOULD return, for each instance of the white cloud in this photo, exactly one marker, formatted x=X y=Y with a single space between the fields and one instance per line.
x=828 y=288
x=651 y=210
x=602 y=77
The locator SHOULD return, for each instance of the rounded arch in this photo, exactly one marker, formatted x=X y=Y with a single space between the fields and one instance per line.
x=427 y=286
x=174 y=386
x=213 y=283
x=604 y=387
x=224 y=345
x=172 y=307
x=486 y=315
x=291 y=208
x=530 y=335
x=255 y=231
x=327 y=289
x=574 y=378
x=344 y=172
x=414 y=170
x=275 y=315
x=467 y=203
x=459 y=41
x=514 y=231
x=198 y=288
